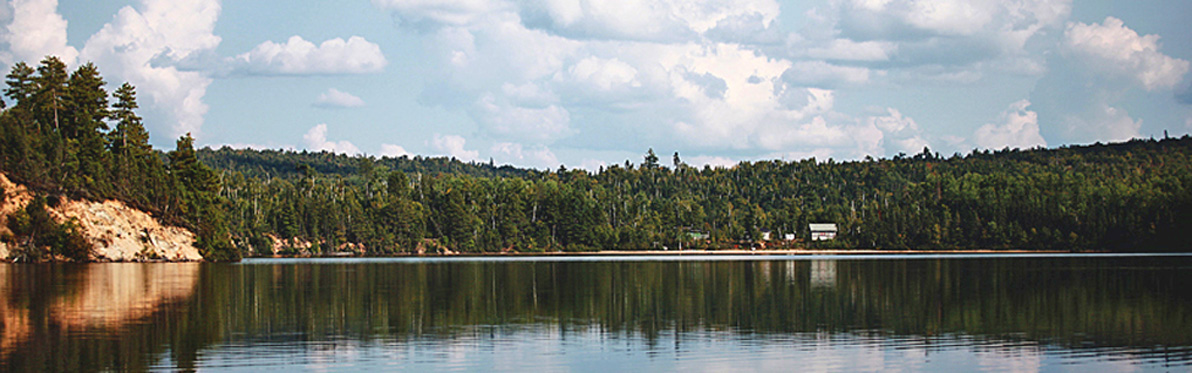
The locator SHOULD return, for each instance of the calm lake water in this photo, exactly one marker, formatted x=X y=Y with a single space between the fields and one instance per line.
x=767 y=313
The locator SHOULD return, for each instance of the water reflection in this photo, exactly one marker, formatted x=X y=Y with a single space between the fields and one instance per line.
x=1019 y=314
x=115 y=294
x=51 y=309
x=823 y=273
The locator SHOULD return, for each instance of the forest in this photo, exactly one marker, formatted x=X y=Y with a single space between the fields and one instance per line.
x=65 y=136
x=1132 y=196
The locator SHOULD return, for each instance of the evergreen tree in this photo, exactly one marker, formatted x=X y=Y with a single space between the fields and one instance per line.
x=88 y=102
x=21 y=84
x=54 y=140
x=129 y=139
x=199 y=186
x=51 y=91
x=650 y=161
x=88 y=106
x=398 y=184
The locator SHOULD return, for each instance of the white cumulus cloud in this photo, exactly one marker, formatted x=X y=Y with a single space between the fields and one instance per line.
x=592 y=165
x=920 y=19
x=713 y=161
x=429 y=13
x=1102 y=122
x=454 y=146
x=650 y=20
x=604 y=74
x=35 y=31
x=297 y=56
x=506 y=120
x=539 y=157
x=394 y=151
x=526 y=72
x=1017 y=128
x=849 y=50
x=140 y=46
x=335 y=98
x=596 y=75
x=316 y=139
x=820 y=73
x=898 y=134
x=1098 y=66
x=1112 y=47
x=952 y=38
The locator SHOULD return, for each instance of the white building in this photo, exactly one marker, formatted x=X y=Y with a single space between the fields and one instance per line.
x=822 y=231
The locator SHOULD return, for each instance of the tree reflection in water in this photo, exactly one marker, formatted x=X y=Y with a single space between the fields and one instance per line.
x=132 y=316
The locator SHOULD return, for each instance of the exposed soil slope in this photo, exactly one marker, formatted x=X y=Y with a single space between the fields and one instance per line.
x=116 y=231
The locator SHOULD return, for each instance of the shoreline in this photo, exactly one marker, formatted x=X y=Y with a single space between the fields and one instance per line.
x=662 y=253
x=685 y=253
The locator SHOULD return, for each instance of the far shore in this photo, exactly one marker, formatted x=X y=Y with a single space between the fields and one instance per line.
x=673 y=253
x=687 y=252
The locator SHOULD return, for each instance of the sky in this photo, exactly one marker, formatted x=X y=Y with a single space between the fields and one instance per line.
x=588 y=83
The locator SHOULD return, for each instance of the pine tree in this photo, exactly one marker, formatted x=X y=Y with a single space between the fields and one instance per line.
x=650 y=160
x=87 y=103
x=199 y=186
x=21 y=84
x=51 y=91
x=133 y=158
x=129 y=138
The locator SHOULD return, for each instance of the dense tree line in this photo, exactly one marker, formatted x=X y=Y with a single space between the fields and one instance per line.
x=285 y=164
x=1128 y=196
x=65 y=136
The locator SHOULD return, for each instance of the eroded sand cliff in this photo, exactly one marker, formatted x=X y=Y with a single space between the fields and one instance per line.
x=116 y=231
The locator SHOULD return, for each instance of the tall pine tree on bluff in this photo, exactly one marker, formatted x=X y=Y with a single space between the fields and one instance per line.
x=199 y=187
x=56 y=139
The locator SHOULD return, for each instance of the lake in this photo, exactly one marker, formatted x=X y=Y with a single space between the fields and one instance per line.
x=707 y=313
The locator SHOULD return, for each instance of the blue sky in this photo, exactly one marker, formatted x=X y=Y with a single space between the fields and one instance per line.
x=587 y=83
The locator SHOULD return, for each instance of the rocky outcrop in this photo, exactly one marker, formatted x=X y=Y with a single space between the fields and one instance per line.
x=15 y=198
x=116 y=231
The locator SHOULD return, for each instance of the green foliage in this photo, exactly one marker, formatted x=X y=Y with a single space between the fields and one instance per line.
x=36 y=236
x=287 y=164
x=1130 y=196
x=21 y=85
x=203 y=206
x=56 y=139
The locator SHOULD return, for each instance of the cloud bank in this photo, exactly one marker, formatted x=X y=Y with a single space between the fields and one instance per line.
x=714 y=77
x=539 y=80
x=297 y=56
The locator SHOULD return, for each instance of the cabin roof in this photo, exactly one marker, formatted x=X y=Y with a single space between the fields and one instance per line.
x=822 y=227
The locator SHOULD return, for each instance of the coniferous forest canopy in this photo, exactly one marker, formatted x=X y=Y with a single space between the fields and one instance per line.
x=65 y=135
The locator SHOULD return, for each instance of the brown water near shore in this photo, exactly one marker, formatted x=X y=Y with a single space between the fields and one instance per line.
x=98 y=296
